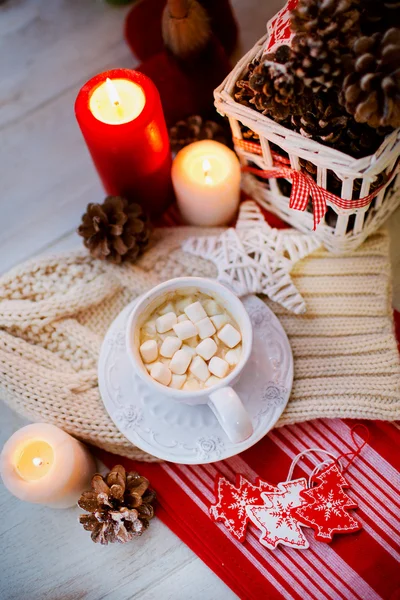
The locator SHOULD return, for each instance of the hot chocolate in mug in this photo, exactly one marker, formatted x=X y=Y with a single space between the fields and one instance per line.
x=220 y=397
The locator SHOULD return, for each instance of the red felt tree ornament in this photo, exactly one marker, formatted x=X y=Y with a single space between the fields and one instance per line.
x=326 y=506
x=281 y=511
x=233 y=500
x=276 y=519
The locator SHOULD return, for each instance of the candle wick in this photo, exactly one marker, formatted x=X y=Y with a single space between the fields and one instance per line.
x=37 y=462
x=112 y=93
x=206 y=171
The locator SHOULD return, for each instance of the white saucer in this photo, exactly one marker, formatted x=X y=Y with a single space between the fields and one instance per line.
x=191 y=434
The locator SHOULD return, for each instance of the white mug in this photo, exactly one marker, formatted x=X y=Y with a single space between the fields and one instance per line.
x=221 y=398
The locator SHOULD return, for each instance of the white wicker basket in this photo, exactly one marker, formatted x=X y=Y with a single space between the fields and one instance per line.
x=349 y=227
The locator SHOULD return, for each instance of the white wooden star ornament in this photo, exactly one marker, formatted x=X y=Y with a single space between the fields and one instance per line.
x=255 y=258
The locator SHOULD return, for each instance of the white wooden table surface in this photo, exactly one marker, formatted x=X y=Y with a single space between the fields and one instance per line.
x=48 y=49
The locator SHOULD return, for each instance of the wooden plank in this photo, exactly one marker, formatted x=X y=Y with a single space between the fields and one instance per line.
x=50 y=556
x=48 y=177
x=47 y=183
x=186 y=583
x=49 y=47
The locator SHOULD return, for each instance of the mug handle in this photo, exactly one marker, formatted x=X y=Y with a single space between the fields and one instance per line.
x=231 y=414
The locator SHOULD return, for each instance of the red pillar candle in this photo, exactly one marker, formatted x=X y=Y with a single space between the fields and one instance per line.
x=120 y=115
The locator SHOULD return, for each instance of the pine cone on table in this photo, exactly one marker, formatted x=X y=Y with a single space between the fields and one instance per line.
x=325 y=32
x=119 y=506
x=195 y=128
x=372 y=92
x=116 y=230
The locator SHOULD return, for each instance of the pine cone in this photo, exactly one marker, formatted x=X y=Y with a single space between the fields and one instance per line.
x=271 y=88
x=115 y=230
x=193 y=129
x=243 y=93
x=372 y=92
x=319 y=117
x=322 y=121
x=378 y=15
x=326 y=31
x=276 y=90
x=120 y=506
x=360 y=139
x=249 y=134
x=327 y=122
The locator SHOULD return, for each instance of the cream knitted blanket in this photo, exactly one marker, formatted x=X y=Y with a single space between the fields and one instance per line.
x=55 y=310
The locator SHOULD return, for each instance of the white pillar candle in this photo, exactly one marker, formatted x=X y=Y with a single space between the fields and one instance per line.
x=206 y=179
x=44 y=465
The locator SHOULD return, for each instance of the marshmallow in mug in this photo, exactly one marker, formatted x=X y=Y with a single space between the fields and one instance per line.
x=190 y=341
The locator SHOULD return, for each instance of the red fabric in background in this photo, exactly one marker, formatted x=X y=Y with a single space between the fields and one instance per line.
x=143 y=26
x=359 y=566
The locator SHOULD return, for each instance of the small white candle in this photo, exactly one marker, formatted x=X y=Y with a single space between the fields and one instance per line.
x=206 y=179
x=44 y=465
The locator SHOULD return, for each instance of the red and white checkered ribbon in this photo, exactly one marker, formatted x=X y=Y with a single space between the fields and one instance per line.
x=304 y=186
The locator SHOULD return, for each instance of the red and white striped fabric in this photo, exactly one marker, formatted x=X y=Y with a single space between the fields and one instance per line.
x=362 y=565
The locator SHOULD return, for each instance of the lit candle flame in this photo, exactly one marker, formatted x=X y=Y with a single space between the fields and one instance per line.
x=206 y=170
x=37 y=462
x=112 y=92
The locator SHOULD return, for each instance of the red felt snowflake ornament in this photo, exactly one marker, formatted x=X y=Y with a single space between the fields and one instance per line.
x=325 y=506
x=232 y=501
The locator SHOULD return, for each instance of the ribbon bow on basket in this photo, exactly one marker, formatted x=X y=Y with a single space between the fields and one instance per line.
x=304 y=186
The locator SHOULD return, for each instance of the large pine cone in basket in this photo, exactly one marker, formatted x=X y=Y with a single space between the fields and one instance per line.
x=352 y=45
x=275 y=89
x=243 y=92
x=327 y=122
x=372 y=92
x=270 y=86
x=325 y=32
x=316 y=116
x=299 y=87
x=379 y=15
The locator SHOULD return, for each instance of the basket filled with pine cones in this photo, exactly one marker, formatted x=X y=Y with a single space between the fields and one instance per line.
x=314 y=109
